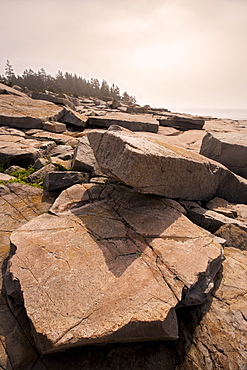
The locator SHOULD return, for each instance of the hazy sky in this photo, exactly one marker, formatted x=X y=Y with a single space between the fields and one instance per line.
x=169 y=53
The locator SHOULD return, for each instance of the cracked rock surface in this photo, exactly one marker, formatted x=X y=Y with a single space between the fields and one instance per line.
x=18 y=203
x=110 y=265
x=220 y=337
x=155 y=167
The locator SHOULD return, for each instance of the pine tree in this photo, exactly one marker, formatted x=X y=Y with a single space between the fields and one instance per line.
x=9 y=73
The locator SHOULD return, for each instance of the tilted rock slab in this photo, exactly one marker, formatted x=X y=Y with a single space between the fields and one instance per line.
x=24 y=112
x=110 y=266
x=74 y=118
x=84 y=159
x=228 y=148
x=151 y=166
x=54 y=98
x=4 y=89
x=133 y=122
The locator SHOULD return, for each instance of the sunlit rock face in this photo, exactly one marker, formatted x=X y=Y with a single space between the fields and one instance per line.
x=228 y=148
x=154 y=167
x=27 y=113
x=110 y=265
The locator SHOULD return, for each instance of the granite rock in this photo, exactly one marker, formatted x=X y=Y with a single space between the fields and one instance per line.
x=152 y=166
x=110 y=266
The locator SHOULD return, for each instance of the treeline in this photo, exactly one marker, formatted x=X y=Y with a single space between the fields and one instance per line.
x=63 y=83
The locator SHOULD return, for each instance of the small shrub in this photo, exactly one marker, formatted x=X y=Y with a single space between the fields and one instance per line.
x=21 y=176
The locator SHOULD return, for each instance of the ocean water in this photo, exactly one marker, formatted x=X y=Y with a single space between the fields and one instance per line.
x=236 y=114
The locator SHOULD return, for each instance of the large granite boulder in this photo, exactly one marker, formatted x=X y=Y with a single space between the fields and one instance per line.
x=151 y=166
x=24 y=112
x=133 y=122
x=228 y=148
x=110 y=266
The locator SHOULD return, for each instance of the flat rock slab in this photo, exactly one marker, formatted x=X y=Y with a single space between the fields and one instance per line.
x=211 y=220
x=133 y=122
x=228 y=148
x=54 y=98
x=24 y=112
x=182 y=122
x=110 y=266
x=61 y=139
x=238 y=211
x=154 y=167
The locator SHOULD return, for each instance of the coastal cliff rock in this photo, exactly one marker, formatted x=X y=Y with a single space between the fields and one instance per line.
x=228 y=148
x=113 y=266
x=110 y=266
x=158 y=168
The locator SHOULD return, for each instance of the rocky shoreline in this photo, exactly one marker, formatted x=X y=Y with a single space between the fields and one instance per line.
x=130 y=252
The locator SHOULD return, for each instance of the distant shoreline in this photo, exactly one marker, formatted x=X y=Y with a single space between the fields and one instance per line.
x=234 y=114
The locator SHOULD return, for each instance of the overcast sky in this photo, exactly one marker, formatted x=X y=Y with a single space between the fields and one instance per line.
x=168 y=53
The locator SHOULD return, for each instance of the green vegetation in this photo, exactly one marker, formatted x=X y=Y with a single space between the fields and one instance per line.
x=63 y=83
x=3 y=166
x=21 y=176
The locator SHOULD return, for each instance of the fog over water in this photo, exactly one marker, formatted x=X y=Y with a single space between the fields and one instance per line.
x=235 y=114
x=171 y=53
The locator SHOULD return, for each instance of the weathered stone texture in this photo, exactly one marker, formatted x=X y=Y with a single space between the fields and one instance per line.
x=220 y=337
x=59 y=180
x=133 y=122
x=228 y=148
x=162 y=169
x=111 y=267
x=182 y=122
x=84 y=159
x=24 y=112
